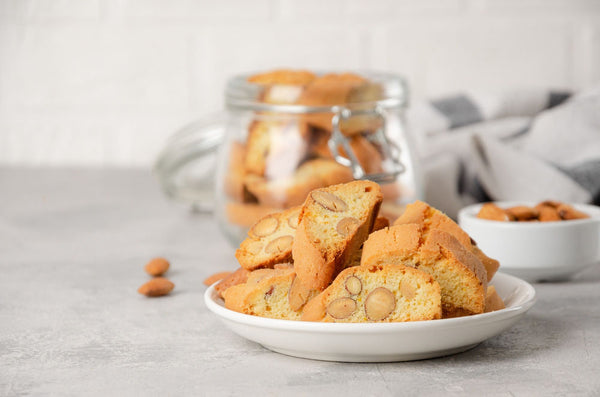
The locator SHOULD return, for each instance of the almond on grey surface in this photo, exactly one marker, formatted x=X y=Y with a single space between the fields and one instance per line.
x=158 y=286
x=157 y=267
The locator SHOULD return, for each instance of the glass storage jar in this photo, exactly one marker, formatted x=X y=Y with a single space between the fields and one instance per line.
x=288 y=132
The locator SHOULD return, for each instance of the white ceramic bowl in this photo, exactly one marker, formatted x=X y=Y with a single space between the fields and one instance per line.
x=537 y=251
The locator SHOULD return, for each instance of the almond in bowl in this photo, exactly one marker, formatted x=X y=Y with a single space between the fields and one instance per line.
x=536 y=241
x=545 y=211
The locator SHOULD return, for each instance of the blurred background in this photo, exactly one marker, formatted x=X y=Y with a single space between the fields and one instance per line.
x=103 y=83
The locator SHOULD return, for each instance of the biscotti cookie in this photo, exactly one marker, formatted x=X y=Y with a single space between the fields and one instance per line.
x=275 y=147
x=367 y=155
x=339 y=89
x=240 y=276
x=246 y=215
x=493 y=301
x=269 y=293
x=284 y=86
x=460 y=273
x=269 y=240
x=377 y=293
x=292 y=190
x=334 y=223
x=381 y=222
x=430 y=218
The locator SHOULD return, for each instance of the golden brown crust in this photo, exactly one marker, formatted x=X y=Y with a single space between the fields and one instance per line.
x=381 y=222
x=402 y=241
x=493 y=301
x=314 y=310
x=321 y=249
x=238 y=277
x=437 y=253
x=430 y=218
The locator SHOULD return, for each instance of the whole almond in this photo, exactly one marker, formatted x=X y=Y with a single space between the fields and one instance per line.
x=523 y=213
x=568 y=212
x=492 y=212
x=157 y=267
x=158 y=286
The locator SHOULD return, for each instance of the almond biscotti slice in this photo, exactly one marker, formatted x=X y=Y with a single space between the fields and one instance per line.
x=461 y=275
x=493 y=301
x=377 y=293
x=269 y=241
x=282 y=86
x=431 y=218
x=272 y=293
x=334 y=223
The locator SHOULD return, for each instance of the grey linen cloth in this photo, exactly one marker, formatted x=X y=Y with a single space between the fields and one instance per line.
x=524 y=146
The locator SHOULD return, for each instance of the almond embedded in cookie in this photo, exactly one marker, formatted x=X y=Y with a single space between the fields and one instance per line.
x=269 y=240
x=461 y=275
x=334 y=223
x=273 y=293
x=378 y=293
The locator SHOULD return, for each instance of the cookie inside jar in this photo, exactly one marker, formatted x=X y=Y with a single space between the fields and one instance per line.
x=293 y=131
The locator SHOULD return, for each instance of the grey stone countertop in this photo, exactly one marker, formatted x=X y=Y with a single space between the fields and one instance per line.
x=73 y=244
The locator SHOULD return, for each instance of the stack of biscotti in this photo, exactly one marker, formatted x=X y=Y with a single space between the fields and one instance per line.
x=285 y=157
x=321 y=238
x=333 y=260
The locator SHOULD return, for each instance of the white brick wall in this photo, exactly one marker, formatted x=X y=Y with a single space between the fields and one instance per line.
x=104 y=82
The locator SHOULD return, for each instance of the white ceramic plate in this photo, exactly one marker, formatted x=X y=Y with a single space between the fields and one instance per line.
x=380 y=342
